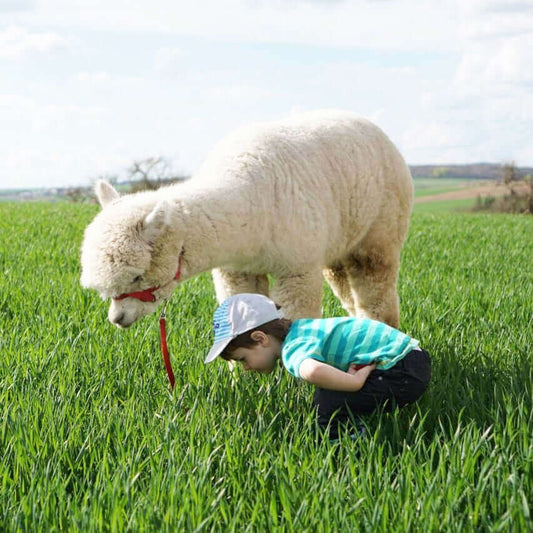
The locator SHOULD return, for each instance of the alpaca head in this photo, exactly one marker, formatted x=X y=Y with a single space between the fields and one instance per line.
x=124 y=250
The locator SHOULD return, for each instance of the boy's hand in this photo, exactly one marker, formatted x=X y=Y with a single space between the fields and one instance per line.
x=353 y=368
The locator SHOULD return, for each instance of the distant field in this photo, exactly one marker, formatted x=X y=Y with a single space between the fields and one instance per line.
x=438 y=195
x=445 y=206
x=92 y=439
x=429 y=186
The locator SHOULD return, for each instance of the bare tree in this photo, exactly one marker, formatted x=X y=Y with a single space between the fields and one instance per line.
x=509 y=173
x=517 y=199
x=529 y=180
x=151 y=173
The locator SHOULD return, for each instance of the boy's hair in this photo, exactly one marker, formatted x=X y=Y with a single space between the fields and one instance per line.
x=277 y=328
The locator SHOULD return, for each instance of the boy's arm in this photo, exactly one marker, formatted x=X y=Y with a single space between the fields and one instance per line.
x=328 y=377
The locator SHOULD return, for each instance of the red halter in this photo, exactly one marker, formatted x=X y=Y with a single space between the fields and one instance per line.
x=148 y=296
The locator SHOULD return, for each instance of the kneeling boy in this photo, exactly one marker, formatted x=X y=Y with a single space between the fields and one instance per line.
x=356 y=364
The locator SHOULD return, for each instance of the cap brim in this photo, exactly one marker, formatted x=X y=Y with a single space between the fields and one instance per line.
x=217 y=349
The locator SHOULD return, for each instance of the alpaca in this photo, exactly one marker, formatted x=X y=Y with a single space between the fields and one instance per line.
x=319 y=195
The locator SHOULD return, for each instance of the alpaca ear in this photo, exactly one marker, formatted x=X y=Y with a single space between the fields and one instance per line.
x=157 y=221
x=105 y=193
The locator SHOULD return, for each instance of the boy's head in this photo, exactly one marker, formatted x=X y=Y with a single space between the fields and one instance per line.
x=246 y=327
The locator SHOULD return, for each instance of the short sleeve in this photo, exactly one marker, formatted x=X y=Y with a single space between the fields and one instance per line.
x=294 y=352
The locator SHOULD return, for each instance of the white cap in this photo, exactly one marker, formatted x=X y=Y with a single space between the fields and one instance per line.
x=238 y=314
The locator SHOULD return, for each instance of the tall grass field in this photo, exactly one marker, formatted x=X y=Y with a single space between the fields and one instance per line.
x=92 y=438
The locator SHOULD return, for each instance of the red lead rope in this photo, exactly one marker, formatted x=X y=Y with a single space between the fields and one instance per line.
x=148 y=296
x=164 y=349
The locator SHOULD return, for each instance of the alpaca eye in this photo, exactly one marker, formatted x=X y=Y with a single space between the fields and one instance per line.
x=137 y=278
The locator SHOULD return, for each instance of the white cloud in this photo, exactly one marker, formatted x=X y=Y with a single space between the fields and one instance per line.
x=489 y=19
x=30 y=116
x=93 y=78
x=17 y=42
x=16 y=112
x=497 y=46
x=498 y=63
x=485 y=111
x=379 y=25
x=232 y=94
x=15 y=101
x=15 y=5
x=57 y=119
x=440 y=142
x=168 y=61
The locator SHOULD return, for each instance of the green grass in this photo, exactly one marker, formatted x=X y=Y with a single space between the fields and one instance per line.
x=92 y=439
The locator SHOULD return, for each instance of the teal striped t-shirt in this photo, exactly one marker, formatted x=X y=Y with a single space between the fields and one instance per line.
x=342 y=341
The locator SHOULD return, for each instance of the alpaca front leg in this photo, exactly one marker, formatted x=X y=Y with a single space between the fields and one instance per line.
x=228 y=283
x=300 y=295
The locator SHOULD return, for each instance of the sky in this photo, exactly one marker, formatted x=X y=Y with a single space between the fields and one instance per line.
x=88 y=87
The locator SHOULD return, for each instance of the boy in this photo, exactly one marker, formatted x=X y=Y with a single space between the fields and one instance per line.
x=356 y=364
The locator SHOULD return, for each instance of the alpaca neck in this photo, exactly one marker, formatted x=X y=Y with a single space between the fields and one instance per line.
x=214 y=229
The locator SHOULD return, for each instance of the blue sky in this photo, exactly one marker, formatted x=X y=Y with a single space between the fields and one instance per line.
x=88 y=87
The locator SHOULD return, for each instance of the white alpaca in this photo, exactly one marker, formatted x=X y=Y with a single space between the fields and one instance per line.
x=319 y=194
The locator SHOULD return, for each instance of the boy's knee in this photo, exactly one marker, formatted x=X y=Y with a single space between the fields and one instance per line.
x=333 y=414
x=329 y=403
x=422 y=369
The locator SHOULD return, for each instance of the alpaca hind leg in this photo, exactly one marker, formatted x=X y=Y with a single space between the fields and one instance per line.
x=337 y=277
x=229 y=283
x=373 y=276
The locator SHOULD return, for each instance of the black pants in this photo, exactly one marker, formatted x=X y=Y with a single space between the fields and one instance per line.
x=400 y=385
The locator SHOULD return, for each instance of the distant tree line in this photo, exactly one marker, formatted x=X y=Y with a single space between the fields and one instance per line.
x=486 y=171
x=142 y=175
